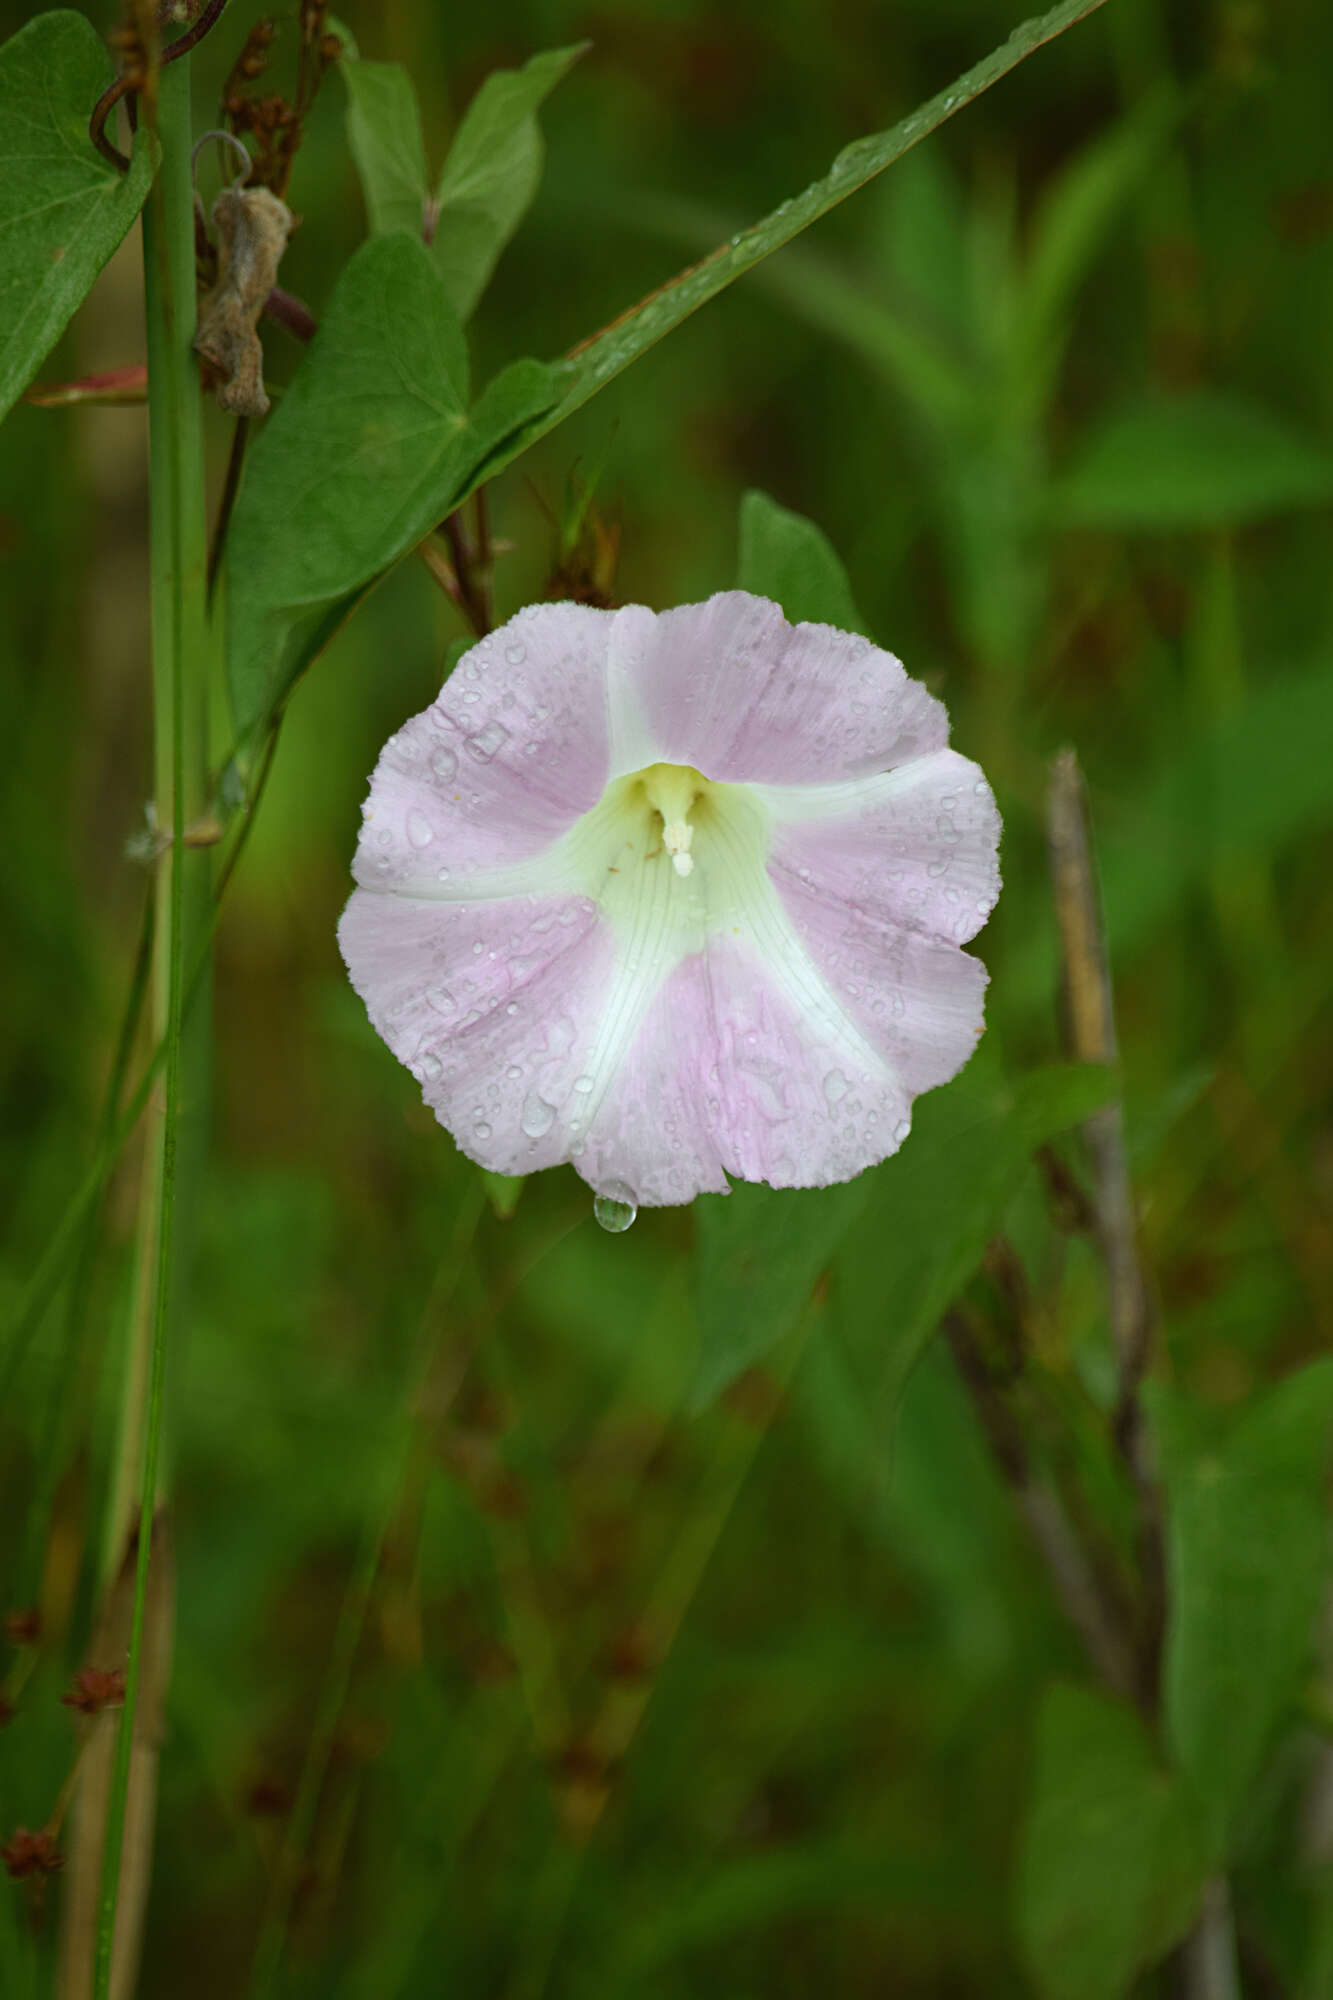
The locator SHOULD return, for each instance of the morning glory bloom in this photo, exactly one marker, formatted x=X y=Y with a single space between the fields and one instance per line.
x=674 y=896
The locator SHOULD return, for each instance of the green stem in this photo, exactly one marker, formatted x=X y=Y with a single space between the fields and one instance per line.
x=67 y=1410
x=178 y=554
x=53 y=1268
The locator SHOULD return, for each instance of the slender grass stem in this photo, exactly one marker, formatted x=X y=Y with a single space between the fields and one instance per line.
x=178 y=551
x=51 y=1271
x=66 y=1410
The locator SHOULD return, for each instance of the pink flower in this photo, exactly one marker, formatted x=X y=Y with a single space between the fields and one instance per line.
x=673 y=897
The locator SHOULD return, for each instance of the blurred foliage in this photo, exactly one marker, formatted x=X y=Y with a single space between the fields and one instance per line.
x=668 y=1605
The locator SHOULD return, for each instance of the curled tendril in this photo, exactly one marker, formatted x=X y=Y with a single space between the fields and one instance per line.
x=226 y=139
x=130 y=81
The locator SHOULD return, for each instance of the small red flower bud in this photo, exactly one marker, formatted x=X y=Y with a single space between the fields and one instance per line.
x=27 y=1853
x=96 y=1688
x=268 y=1798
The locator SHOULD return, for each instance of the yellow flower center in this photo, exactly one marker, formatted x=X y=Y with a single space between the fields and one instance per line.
x=674 y=791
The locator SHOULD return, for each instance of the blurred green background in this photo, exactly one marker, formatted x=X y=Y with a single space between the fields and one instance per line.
x=615 y=1687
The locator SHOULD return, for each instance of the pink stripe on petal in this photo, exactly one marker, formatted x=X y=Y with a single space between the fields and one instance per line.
x=511 y=752
x=729 y=687
x=726 y=1074
x=655 y=1131
x=915 y=849
x=918 y=1001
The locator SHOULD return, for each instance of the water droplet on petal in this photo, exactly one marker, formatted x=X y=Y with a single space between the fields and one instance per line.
x=615 y=1207
x=583 y=1083
x=538 y=1116
x=836 y=1086
x=487 y=741
x=419 y=829
x=442 y=875
x=441 y=999
x=516 y=655
x=444 y=764
x=431 y=1066
x=481 y=1130
x=901 y=1130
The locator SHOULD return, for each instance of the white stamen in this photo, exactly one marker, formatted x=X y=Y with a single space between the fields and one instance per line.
x=676 y=839
x=673 y=790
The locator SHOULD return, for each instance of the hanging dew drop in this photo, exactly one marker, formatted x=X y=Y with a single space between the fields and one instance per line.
x=538 y=1116
x=615 y=1207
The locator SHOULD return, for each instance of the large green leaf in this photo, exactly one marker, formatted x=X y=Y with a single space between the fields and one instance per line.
x=1208 y=459
x=63 y=208
x=758 y=1252
x=384 y=133
x=785 y=557
x=370 y=447
x=1111 y=1866
x=901 y=1241
x=492 y=172
x=1248 y=1569
x=936 y=1205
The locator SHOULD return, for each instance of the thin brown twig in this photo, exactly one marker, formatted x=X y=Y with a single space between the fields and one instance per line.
x=472 y=598
x=485 y=556
x=1073 y=1579
x=441 y=569
x=1090 y=1036
x=1206 y=1961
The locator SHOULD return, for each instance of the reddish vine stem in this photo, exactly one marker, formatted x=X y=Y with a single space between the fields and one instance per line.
x=102 y=110
x=473 y=596
x=290 y=312
x=194 y=35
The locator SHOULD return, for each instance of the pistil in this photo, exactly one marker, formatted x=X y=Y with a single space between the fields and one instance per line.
x=672 y=791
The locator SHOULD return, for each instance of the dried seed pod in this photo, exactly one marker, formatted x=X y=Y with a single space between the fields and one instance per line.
x=252 y=229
